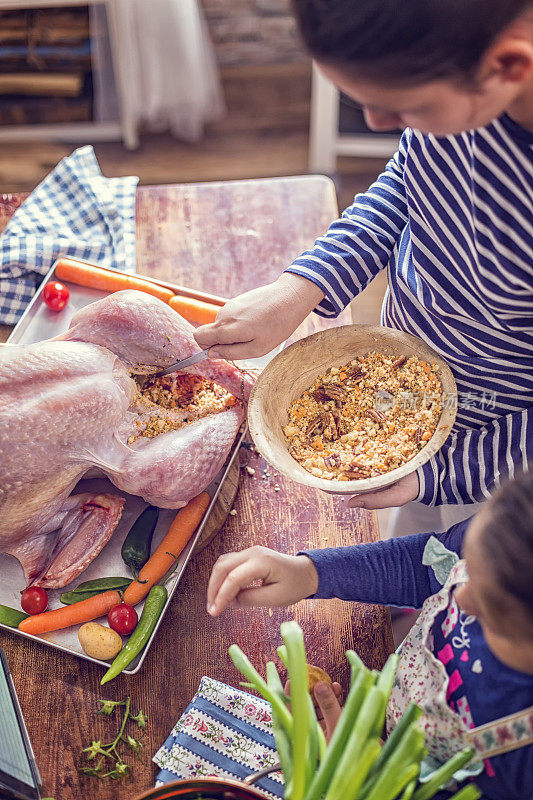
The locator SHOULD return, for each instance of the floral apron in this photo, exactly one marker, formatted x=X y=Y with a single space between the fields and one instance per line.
x=422 y=678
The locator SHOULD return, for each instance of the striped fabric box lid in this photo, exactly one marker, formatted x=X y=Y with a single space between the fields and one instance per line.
x=224 y=732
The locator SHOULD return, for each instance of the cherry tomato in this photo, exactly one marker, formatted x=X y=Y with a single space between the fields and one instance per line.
x=55 y=295
x=34 y=600
x=123 y=619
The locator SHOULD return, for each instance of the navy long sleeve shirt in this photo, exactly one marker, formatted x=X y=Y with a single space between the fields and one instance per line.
x=481 y=688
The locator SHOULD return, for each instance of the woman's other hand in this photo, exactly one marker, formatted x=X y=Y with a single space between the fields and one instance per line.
x=400 y=493
x=259 y=577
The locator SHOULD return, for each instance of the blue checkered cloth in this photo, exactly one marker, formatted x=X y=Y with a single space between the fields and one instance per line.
x=224 y=732
x=76 y=212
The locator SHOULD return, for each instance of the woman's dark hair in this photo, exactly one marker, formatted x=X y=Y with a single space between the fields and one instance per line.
x=507 y=539
x=404 y=41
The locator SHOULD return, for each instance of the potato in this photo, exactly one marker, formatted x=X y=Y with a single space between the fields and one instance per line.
x=98 y=641
x=314 y=675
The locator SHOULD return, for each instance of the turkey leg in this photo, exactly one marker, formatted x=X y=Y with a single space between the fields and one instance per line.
x=70 y=540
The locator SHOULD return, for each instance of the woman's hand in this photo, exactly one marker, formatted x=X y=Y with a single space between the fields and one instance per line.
x=255 y=322
x=400 y=493
x=283 y=580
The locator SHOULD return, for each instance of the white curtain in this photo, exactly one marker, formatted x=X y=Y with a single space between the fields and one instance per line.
x=165 y=52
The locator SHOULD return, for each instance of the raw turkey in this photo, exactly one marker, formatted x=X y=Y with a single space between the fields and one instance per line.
x=69 y=405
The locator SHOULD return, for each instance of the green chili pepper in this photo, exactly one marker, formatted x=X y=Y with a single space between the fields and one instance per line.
x=153 y=607
x=102 y=584
x=11 y=616
x=138 y=543
x=92 y=588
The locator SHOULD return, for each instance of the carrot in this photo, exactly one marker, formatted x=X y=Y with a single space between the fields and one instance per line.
x=84 y=611
x=109 y=281
x=197 y=311
x=164 y=557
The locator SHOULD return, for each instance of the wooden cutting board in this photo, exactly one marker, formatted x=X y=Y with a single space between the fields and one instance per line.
x=222 y=507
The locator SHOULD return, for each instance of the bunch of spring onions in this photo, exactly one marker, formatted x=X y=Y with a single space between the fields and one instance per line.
x=355 y=765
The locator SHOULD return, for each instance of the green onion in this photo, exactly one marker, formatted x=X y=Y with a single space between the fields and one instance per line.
x=313 y=744
x=443 y=774
x=243 y=665
x=357 y=739
x=355 y=662
x=282 y=653
x=297 y=666
x=384 y=683
x=470 y=792
x=410 y=715
x=322 y=744
x=397 y=764
x=407 y=776
x=337 y=744
x=280 y=734
x=348 y=782
x=409 y=790
x=355 y=765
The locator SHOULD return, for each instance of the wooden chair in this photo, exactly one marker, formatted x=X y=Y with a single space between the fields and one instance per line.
x=325 y=142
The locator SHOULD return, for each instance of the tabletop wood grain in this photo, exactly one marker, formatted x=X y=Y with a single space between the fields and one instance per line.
x=223 y=238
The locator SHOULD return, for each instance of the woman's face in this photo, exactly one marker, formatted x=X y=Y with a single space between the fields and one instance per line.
x=507 y=627
x=439 y=107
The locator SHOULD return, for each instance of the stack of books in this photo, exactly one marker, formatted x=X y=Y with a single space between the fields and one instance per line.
x=45 y=66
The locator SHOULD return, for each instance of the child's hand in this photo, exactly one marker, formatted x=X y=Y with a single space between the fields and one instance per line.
x=400 y=493
x=284 y=580
x=327 y=706
x=255 y=322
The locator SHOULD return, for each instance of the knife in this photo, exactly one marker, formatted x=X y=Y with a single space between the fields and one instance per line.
x=186 y=362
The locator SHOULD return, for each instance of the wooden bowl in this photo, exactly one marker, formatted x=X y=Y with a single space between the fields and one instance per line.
x=295 y=369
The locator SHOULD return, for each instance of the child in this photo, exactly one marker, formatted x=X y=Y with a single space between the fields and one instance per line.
x=451 y=217
x=468 y=661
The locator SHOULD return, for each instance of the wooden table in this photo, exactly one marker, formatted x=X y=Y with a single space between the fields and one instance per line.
x=224 y=238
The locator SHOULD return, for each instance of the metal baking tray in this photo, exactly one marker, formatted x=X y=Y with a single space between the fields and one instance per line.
x=39 y=323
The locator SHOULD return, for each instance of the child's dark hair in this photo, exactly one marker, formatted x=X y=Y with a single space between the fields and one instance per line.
x=404 y=41
x=507 y=539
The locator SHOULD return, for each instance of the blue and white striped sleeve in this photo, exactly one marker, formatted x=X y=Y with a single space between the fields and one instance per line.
x=473 y=463
x=359 y=244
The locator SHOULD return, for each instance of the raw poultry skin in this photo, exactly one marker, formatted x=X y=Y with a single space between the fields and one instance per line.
x=66 y=407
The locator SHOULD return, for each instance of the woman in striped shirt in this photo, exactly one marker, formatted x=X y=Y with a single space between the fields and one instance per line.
x=451 y=217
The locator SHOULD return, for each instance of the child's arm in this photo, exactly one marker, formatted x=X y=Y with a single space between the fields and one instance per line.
x=325 y=279
x=388 y=572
